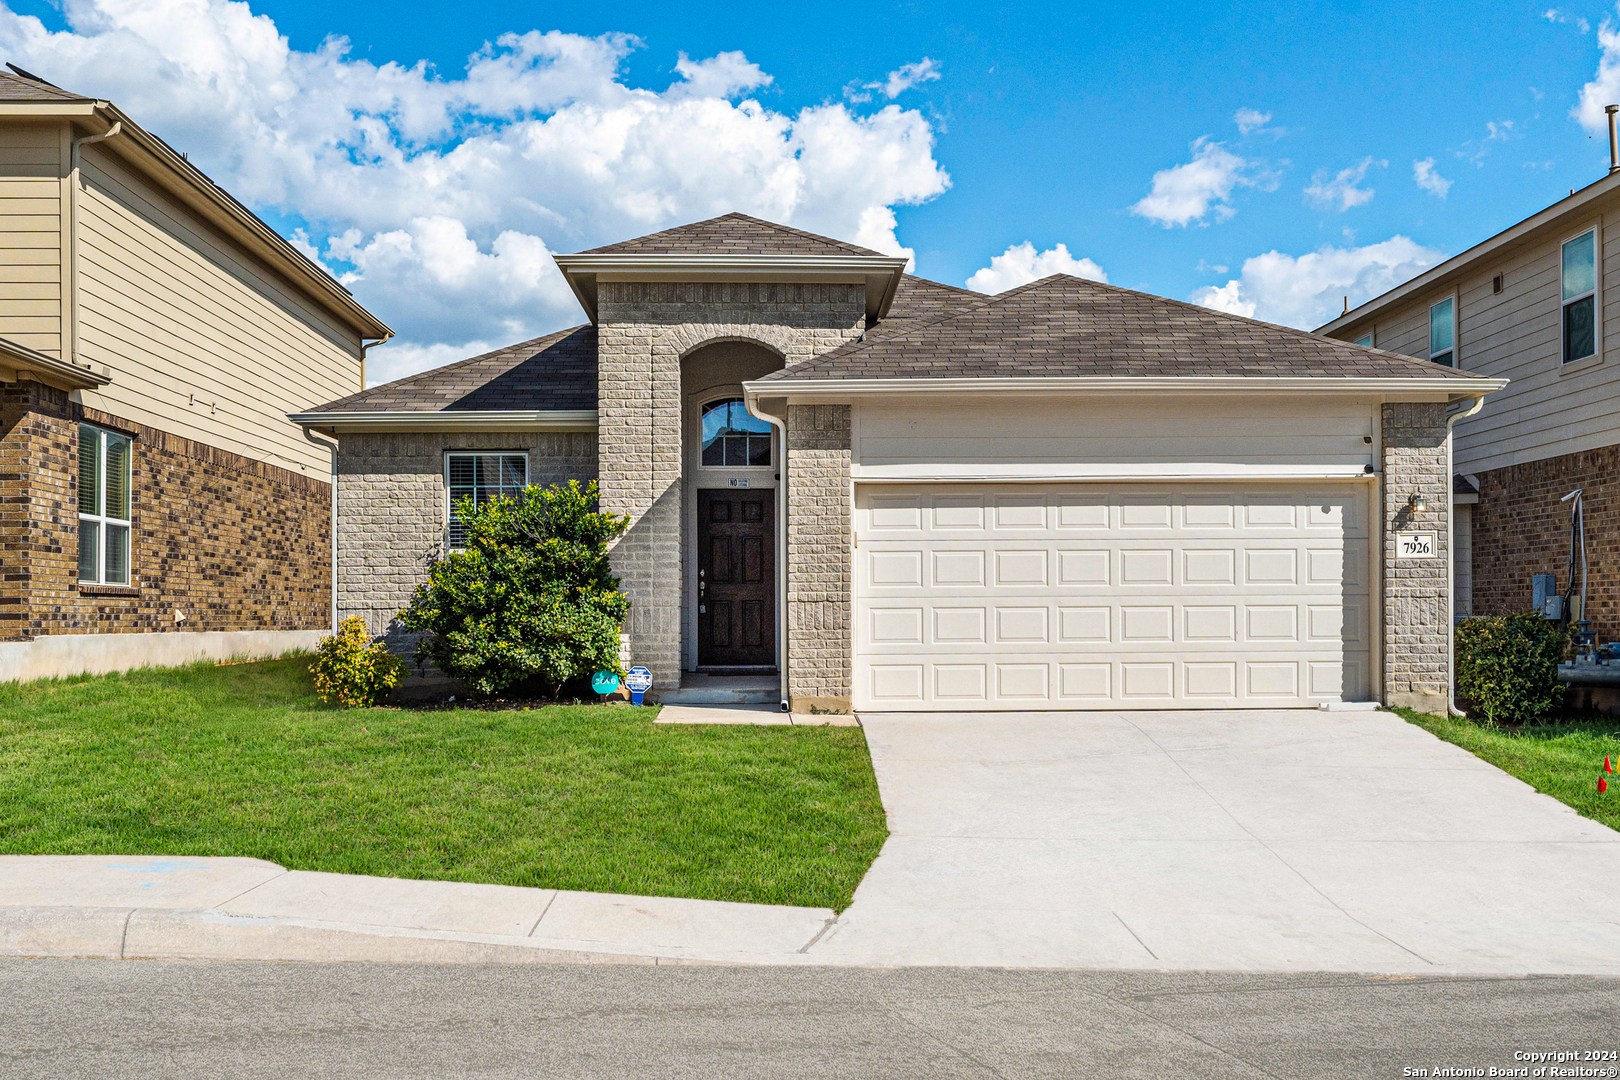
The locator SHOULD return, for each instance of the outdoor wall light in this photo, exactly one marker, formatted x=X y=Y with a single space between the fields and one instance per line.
x=1417 y=503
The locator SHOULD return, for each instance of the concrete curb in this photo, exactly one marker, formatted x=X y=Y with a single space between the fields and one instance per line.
x=163 y=934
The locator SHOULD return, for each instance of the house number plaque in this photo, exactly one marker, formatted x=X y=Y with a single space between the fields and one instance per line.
x=1416 y=545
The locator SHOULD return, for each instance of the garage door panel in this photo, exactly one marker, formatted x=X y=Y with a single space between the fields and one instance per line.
x=1080 y=597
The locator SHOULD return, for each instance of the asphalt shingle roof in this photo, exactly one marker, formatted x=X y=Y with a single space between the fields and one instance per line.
x=731 y=234
x=1064 y=326
x=554 y=372
x=15 y=86
x=918 y=300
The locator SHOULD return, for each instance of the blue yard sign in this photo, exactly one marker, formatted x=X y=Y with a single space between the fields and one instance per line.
x=604 y=682
x=639 y=681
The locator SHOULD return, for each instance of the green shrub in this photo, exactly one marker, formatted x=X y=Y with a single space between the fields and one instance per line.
x=1507 y=667
x=350 y=671
x=529 y=598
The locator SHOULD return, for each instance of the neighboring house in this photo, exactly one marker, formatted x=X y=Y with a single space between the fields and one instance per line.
x=1539 y=304
x=155 y=503
x=904 y=495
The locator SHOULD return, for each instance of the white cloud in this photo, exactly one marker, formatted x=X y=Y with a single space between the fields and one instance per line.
x=1553 y=15
x=1341 y=188
x=1309 y=290
x=1021 y=264
x=439 y=197
x=1425 y=177
x=1189 y=192
x=1604 y=89
x=897 y=82
x=1250 y=120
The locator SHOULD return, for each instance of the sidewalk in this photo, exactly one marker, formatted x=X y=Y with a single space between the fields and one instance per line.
x=130 y=907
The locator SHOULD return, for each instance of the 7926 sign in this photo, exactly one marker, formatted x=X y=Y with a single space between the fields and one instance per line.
x=1416 y=545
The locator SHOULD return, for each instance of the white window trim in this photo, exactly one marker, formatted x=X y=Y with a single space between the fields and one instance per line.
x=1456 y=332
x=1371 y=338
x=449 y=503
x=1596 y=229
x=101 y=518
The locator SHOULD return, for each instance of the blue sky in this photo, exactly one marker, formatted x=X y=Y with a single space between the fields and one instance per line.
x=1111 y=130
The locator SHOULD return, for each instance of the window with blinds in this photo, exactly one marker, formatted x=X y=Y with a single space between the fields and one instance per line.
x=104 y=506
x=480 y=477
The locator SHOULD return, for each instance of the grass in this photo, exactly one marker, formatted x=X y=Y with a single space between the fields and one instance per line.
x=1561 y=759
x=243 y=760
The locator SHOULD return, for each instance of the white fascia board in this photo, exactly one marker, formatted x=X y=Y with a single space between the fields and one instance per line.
x=484 y=420
x=1417 y=389
x=48 y=109
x=1046 y=473
x=1572 y=206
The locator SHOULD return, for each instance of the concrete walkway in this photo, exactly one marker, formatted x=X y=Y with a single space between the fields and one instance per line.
x=1236 y=841
x=1257 y=841
x=248 y=909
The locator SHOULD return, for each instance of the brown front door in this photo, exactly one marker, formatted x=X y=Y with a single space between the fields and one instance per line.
x=736 y=578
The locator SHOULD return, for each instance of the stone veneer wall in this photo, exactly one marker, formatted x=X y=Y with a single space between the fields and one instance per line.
x=820 y=558
x=392 y=506
x=1416 y=635
x=644 y=329
x=1520 y=529
x=232 y=543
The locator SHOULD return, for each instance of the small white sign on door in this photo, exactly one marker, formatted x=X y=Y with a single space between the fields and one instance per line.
x=737 y=481
x=1416 y=545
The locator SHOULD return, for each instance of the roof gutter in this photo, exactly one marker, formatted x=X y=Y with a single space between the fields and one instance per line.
x=1454 y=387
x=48 y=369
x=464 y=420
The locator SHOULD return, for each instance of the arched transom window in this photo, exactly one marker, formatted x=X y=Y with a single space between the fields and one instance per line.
x=732 y=437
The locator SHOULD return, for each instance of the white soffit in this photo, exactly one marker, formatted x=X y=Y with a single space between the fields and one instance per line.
x=485 y=420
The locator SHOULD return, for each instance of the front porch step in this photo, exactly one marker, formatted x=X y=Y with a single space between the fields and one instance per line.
x=701 y=689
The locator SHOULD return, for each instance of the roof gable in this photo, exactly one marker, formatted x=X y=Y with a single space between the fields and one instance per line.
x=1064 y=326
x=18 y=85
x=731 y=234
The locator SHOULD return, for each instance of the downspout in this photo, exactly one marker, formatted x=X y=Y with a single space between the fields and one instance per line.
x=1451 y=558
x=364 y=345
x=70 y=348
x=332 y=449
x=780 y=425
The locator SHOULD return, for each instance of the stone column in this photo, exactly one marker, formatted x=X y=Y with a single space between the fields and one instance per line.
x=1416 y=607
x=820 y=559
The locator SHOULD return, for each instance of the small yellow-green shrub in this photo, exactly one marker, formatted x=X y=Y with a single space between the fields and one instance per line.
x=350 y=671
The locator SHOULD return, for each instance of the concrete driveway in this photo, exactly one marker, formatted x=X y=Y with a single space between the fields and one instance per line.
x=1266 y=841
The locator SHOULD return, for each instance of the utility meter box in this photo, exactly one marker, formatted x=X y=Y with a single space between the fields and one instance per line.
x=1544 y=587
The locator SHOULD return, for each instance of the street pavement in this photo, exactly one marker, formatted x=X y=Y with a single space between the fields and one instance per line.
x=161 y=1019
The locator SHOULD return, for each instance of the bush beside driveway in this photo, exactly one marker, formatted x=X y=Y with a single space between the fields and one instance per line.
x=243 y=760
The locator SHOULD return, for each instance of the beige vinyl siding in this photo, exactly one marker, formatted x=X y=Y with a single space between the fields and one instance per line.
x=1288 y=436
x=1548 y=409
x=200 y=338
x=31 y=167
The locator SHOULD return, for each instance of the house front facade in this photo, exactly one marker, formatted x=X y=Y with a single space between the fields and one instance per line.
x=1538 y=304
x=156 y=505
x=895 y=494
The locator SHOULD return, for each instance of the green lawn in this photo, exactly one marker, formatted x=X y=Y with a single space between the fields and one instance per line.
x=1563 y=760
x=243 y=760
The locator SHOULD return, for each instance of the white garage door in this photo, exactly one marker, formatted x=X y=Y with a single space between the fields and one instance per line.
x=1080 y=597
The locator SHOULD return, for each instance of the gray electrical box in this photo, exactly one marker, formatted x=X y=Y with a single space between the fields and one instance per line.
x=1543 y=587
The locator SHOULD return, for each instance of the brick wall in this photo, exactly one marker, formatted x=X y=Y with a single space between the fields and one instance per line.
x=232 y=543
x=645 y=328
x=392 y=503
x=1520 y=529
x=820 y=638
x=1415 y=623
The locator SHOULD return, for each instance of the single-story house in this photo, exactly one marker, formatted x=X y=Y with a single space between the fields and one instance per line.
x=896 y=494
